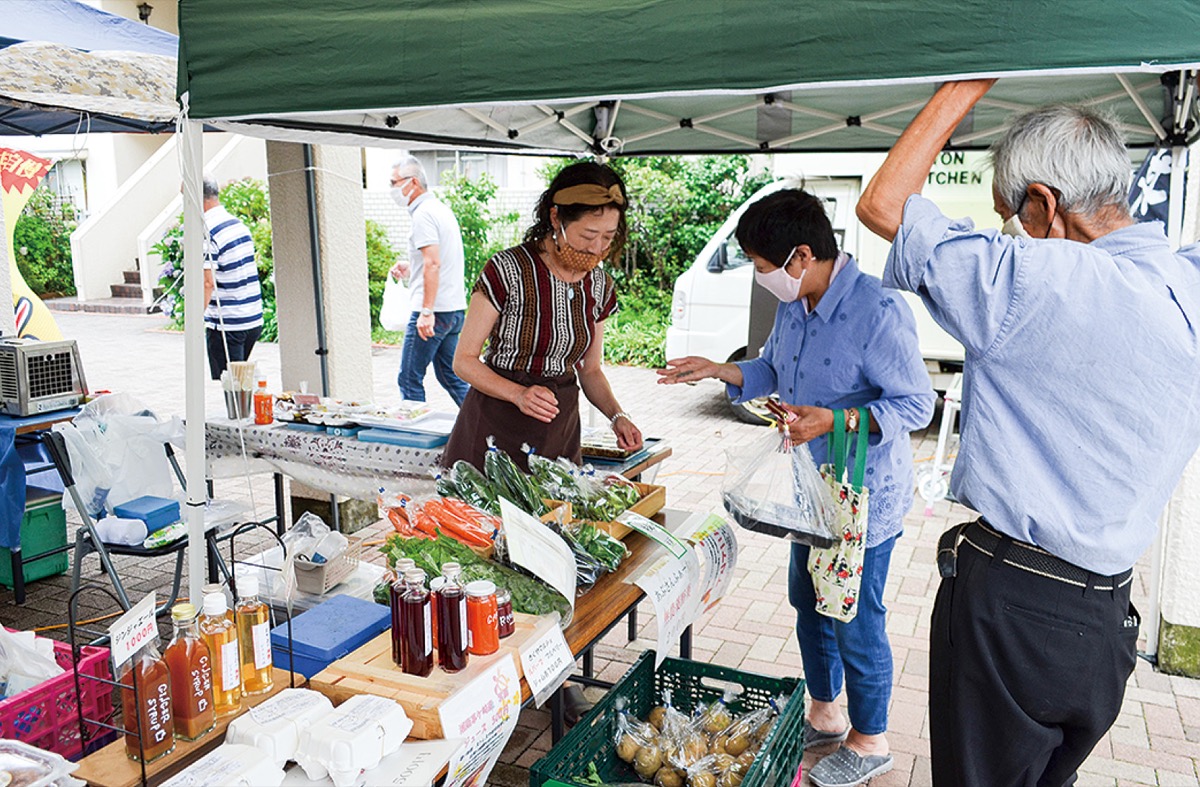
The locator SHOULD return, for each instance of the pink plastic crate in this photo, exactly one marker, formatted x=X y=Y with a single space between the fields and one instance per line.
x=47 y=715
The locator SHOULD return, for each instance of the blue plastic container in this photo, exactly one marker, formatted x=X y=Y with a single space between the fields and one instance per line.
x=328 y=631
x=402 y=438
x=156 y=512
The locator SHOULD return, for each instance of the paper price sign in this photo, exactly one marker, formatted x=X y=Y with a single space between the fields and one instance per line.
x=133 y=631
x=655 y=532
x=547 y=660
x=672 y=586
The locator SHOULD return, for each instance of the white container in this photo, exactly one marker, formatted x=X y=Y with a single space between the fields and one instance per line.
x=275 y=726
x=229 y=765
x=354 y=738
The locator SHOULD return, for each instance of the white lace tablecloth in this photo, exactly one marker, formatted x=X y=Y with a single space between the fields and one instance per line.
x=342 y=465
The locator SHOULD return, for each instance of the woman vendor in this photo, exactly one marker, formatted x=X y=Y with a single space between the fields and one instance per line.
x=540 y=309
x=840 y=341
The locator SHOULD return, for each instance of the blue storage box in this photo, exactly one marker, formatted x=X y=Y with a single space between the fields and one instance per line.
x=156 y=512
x=400 y=437
x=328 y=631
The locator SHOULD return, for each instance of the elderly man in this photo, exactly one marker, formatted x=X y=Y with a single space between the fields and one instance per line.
x=233 y=312
x=439 y=298
x=1079 y=413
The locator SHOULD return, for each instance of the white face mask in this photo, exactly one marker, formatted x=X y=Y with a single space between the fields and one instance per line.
x=1014 y=227
x=780 y=283
x=399 y=196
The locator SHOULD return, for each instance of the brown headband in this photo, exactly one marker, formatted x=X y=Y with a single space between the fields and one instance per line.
x=589 y=194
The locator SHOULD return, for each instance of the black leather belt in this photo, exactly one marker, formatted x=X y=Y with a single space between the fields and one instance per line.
x=1018 y=554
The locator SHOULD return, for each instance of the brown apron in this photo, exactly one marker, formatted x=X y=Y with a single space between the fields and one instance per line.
x=482 y=416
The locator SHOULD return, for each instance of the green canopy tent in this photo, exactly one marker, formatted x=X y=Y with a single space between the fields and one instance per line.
x=638 y=77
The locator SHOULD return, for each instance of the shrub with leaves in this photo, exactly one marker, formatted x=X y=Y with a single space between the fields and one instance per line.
x=42 y=241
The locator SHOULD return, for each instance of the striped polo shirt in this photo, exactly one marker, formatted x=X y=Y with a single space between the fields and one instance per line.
x=236 y=303
x=546 y=325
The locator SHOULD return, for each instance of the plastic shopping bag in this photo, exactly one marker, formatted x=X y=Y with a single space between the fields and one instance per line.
x=775 y=489
x=395 y=312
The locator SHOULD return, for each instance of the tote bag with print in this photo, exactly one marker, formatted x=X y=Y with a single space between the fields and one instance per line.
x=837 y=570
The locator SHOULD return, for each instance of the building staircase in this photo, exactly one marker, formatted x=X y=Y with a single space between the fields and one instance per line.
x=125 y=298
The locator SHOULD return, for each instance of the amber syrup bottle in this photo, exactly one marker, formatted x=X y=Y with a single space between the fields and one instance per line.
x=254 y=638
x=220 y=635
x=148 y=717
x=191 y=676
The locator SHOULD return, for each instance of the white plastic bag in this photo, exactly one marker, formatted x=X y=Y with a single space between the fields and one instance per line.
x=25 y=661
x=776 y=489
x=395 y=312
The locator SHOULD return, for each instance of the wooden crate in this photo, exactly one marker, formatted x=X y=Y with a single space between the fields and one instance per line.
x=653 y=499
x=370 y=670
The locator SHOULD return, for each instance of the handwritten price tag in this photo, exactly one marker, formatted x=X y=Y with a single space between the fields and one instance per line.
x=546 y=660
x=133 y=631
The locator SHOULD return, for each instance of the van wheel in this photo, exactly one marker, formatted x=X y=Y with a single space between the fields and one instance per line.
x=755 y=411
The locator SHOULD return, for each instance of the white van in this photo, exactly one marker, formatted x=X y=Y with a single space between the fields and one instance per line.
x=711 y=306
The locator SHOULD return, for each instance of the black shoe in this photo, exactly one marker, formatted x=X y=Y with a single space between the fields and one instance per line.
x=575 y=705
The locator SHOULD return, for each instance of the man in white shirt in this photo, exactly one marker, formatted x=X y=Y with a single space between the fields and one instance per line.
x=436 y=281
x=233 y=312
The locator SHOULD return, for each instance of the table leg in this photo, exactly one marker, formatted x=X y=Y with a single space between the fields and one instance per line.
x=588 y=663
x=685 y=643
x=557 y=716
x=18 y=575
x=279 y=505
x=633 y=623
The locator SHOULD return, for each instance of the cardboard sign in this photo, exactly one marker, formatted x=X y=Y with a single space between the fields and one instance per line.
x=546 y=659
x=484 y=713
x=133 y=631
x=536 y=548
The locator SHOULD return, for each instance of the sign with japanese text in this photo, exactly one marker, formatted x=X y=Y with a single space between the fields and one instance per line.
x=546 y=659
x=133 y=631
x=483 y=713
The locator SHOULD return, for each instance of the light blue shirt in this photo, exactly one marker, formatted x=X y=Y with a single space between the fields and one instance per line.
x=1081 y=381
x=857 y=348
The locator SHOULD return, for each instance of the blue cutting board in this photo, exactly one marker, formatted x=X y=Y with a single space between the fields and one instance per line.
x=406 y=439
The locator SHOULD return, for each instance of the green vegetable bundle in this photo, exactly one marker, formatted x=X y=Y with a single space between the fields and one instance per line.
x=510 y=483
x=600 y=545
x=529 y=595
x=592 y=497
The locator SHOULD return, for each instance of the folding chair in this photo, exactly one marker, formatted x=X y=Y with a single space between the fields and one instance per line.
x=88 y=541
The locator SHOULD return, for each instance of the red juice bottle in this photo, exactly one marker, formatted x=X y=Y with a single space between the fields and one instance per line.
x=452 y=620
x=416 y=614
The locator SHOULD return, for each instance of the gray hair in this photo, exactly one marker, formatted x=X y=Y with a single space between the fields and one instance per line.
x=1073 y=149
x=410 y=167
x=211 y=189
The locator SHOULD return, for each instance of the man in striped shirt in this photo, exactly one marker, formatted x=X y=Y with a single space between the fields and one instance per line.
x=233 y=314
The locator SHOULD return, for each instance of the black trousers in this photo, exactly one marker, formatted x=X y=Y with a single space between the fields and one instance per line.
x=1026 y=673
x=240 y=344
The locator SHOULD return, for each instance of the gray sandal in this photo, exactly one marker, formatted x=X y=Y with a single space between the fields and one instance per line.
x=813 y=738
x=846 y=768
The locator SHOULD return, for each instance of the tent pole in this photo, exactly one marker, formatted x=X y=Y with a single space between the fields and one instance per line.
x=192 y=165
x=314 y=240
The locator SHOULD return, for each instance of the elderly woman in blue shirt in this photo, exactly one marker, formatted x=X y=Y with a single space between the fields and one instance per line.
x=840 y=341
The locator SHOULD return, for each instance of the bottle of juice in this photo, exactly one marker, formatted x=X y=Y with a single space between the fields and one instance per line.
x=149 y=714
x=483 y=618
x=254 y=638
x=191 y=676
x=264 y=403
x=452 y=620
x=396 y=605
x=220 y=635
x=416 y=614
x=223 y=589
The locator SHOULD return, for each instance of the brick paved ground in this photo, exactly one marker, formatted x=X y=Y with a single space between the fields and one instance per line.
x=1156 y=740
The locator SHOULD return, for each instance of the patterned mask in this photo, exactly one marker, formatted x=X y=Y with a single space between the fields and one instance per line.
x=574 y=259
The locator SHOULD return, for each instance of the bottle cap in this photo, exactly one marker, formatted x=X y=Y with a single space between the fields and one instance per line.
x=247 y=587
x=481 y=587
x=183 y=611
x=213 y=587
x=404 y=564
x=436 y=583
x=416 y=576
x=262 y=382
x=451 y=569
x=214 y=604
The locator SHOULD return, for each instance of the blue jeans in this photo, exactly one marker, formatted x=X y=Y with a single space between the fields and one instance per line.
x=439 y=349
x=857 y=651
